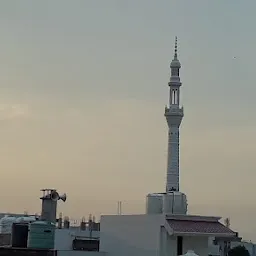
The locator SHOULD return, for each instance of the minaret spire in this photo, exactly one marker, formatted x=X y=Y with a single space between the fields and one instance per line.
x=176 y=48
x=174 y=115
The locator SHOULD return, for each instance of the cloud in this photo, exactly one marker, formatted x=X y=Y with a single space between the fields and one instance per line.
x=13 y=111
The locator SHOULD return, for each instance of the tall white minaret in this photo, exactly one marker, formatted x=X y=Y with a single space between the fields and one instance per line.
x=172 y=201
x=174 y=115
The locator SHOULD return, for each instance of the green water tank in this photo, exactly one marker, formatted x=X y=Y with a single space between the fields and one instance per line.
x=41 y=235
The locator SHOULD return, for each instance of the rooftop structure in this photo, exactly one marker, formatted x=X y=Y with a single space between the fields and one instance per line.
x=49 y=204
x=165 y=229
x=26 y=235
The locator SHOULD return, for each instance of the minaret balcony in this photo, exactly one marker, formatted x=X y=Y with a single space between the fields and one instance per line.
x=174 y=110
x=175 y=80
x=174 y=115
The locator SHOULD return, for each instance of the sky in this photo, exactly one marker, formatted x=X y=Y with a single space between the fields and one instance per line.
x=83 y=86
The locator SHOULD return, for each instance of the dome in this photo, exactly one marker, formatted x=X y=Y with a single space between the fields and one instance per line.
x=175 y=64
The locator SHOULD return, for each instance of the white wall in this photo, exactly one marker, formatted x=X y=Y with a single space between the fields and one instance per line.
x=171 y=248
x=65 y=237
x=144 y=235
x=131 y=235
x=212 y=248
x=199 y=244
x=169 y=244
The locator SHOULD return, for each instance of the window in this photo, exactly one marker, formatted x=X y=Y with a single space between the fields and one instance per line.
x=86 y=245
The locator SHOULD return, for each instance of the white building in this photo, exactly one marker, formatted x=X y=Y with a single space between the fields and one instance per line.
x=166 y=229
x=159 y=234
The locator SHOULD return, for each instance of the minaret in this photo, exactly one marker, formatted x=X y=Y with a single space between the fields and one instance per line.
x=174 y=115
x=172 y=201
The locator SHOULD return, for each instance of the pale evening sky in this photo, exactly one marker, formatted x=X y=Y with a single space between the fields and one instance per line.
x=83 y=85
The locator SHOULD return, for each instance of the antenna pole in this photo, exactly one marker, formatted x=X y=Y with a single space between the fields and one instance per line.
x=119 y=207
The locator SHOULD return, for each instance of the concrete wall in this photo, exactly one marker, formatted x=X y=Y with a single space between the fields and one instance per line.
x=128 y=235
x=168 y=244
x=213 y=249
x=171 y=246
x=199 y=244
x=65 y=237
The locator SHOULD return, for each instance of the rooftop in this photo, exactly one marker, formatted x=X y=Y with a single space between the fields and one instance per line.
x=189 y=227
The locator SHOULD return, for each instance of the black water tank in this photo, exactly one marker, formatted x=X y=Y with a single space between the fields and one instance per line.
x=19 y=235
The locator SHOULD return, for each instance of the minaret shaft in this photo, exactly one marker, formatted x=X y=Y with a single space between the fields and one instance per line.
x=172 y=179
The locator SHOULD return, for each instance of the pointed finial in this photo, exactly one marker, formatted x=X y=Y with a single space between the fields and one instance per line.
x=176 y=46
x=175 y=62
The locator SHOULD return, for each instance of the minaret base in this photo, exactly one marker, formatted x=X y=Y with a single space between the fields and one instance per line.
x=167 y=203
x=175 y=203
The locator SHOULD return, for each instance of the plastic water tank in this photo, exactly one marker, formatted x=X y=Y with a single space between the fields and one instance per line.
x=25 y=219
x=19 y=235
x=154 y=204
x=175 y=203
x=6 y=224
x=41 y=235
